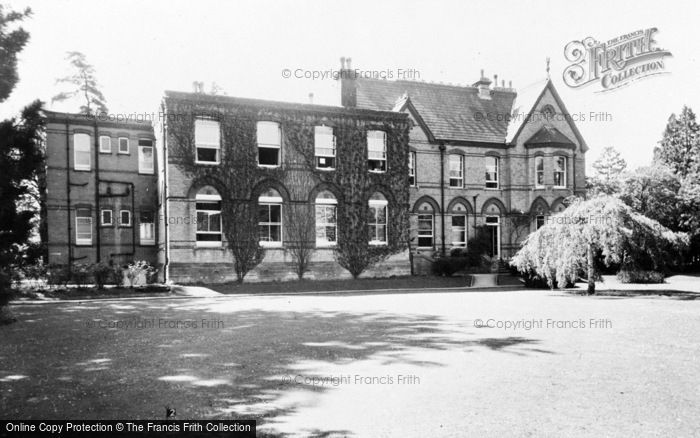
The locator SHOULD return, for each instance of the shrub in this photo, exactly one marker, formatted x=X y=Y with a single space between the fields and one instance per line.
x=36 y=274
x=136 y=269
x=448 y=266
x=640 y=276
x=81 y=274
x=58 y=275
x=102 y=273
x=533 y=280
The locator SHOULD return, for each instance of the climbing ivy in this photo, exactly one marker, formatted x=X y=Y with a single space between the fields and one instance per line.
x=240 y=180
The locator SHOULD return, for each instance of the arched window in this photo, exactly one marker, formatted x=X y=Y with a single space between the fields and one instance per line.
x=270 y=218
x=208 y=207
x=326 y=222
x=378 y=215
x=426 y=224
x=458 y=219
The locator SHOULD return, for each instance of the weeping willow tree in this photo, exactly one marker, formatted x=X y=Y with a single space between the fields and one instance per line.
x=568 y=243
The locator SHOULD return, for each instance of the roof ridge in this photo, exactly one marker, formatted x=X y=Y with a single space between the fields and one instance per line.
x=452 y=85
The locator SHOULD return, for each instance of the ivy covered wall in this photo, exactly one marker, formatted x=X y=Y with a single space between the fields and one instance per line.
x=240 y=180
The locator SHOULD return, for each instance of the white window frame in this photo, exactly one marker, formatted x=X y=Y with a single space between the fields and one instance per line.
x=208 y=198
x=79 y=149
x=147 y=226
x=86 y=220
x=108 y=150
x=497 y=225
x=143 y=168
x=102 y=217
x=121 y=222
x=558 y=170
x=423 y=217
x=460 y=229
x=539 y=160
x=325 y=203
x=128 y=146
x=270 y=201
x=377 y=154
x=412 y=181
x=199 y=143
x=324 y=152
x=374 y=203
x=492 y=169
x=277 y=146
x=458 y=180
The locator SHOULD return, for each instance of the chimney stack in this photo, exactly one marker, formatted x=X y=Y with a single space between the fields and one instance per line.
x=483 y=85
x=348 y=85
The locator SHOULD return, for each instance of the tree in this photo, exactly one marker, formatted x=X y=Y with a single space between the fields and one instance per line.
x=689 y=195
x=11 y=43
x=610 y=164
x=241 y=230
x=653 y=192
x=608 y=169
x=301 y=235
x=567 y=244
x=21 y=159
x=680 y=146
x=84 y=85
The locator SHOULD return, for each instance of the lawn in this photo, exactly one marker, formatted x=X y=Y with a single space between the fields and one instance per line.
x=374 y=365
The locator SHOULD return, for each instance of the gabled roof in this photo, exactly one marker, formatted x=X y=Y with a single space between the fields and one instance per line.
x=526 y=103
x=549 y=136
x=449 y=112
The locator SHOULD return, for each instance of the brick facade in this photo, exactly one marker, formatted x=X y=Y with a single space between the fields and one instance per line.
x=72 y=192
x=479 y=123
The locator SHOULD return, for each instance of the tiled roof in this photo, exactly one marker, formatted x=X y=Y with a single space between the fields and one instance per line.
x=450 y=112
x=523 y=106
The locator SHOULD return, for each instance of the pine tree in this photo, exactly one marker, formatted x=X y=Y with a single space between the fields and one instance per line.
x=680 y=146
x=85 y=85
x=609 y=165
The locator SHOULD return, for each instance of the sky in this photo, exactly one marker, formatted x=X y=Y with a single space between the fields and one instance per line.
x=139 y=49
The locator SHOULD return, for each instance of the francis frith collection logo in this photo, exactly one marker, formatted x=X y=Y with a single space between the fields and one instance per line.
x=614 y=63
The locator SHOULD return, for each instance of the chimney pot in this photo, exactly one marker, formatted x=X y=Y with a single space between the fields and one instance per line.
x=495 y=80
x=510 y=84
x=347 y=63
x=311 y=97
x=482 y=73
x=342 y=63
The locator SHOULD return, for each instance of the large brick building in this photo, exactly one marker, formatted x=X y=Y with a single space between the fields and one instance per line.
x=101 y=196
x=300 y=169
x=480 y=155
x=427 y=163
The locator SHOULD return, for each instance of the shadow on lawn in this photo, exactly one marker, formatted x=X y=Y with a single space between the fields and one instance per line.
x=238 y=362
